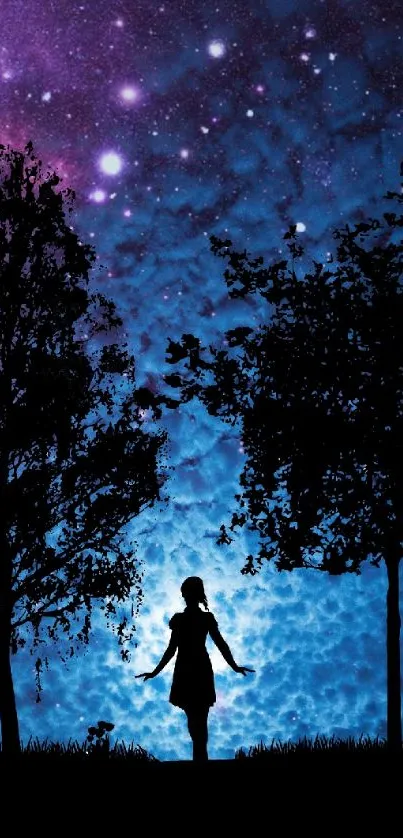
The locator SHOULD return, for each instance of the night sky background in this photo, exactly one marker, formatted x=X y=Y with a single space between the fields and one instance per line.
x=174 y=121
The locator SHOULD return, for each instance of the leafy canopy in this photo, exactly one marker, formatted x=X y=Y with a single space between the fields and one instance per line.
x=79 y=458
x=318 y=394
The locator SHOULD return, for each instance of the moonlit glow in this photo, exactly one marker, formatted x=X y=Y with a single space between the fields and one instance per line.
x=145 y=110
x=216 y=49
x=110 y=163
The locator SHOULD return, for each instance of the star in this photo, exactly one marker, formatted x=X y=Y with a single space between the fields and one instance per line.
x=129 y=94
x=110 y=163
x=98 y=196
x=216 y=48
x=310 y=31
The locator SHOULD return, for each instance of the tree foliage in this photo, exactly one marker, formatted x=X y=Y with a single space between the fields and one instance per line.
x=77 y=460
x=318 y=394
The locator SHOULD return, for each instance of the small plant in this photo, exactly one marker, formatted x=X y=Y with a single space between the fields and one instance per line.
x=101 y=744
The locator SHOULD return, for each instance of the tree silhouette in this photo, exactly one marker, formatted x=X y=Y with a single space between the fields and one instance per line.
x=70 y=478
x=318 y=393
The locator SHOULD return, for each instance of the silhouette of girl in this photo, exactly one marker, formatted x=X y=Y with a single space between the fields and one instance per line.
x=193 y=679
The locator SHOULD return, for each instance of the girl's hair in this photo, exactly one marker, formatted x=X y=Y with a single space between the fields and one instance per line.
x=193 y=589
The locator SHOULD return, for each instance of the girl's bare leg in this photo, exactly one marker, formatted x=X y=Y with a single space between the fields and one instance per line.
x=197 y=725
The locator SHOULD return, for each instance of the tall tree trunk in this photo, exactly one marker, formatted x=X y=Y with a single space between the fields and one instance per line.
x=8 y=711
x=10 y=733
x=394 y=712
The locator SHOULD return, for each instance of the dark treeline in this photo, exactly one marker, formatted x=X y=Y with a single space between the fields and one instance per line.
x=317 y=392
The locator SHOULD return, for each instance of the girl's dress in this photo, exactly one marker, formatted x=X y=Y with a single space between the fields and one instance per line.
x=193 y=678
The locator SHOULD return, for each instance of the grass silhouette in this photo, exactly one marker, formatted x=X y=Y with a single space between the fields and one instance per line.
x=96 y=747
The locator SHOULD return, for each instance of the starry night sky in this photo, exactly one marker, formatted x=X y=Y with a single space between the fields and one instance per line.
x=174 y=121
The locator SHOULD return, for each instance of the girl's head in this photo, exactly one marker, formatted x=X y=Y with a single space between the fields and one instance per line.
x=192 y=590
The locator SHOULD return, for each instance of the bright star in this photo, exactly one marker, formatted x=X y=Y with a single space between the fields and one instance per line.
x=110 y=163
x=98 y=196
x=216 y=49
x=301 y=227
x=129 y=94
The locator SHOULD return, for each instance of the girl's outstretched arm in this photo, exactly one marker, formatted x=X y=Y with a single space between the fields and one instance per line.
x=168 y=654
